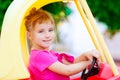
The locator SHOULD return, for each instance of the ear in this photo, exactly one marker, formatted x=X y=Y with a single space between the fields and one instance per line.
x=29 y=35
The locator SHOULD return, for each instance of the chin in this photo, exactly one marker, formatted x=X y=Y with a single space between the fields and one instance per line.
x=46 y=47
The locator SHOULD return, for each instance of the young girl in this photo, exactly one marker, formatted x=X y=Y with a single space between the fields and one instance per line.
x=46 y=64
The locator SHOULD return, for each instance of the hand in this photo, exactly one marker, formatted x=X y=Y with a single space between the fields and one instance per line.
x=90 y=54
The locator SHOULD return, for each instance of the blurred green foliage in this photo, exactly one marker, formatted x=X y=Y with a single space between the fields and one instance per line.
x=59 y=10
x=107 y=11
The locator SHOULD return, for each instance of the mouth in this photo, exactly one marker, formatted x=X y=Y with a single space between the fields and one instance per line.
x=47 y=40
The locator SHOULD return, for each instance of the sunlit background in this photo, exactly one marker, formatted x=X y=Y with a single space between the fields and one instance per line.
x=72 y=36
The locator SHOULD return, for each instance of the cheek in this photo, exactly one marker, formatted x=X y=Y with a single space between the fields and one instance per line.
x=38 y=37
x=35 y=37
x=53 y=35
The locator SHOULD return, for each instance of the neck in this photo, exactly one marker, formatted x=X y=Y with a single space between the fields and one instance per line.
x=40 y=48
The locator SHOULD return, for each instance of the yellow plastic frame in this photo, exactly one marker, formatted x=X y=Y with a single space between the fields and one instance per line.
x=14 y=54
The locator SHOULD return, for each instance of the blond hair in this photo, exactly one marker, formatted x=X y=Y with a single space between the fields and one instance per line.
x=37 y=16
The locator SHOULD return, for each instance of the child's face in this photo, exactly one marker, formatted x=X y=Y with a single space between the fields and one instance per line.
x=43 y=35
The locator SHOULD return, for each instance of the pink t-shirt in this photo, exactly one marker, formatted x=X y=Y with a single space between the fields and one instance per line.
x=40 y=60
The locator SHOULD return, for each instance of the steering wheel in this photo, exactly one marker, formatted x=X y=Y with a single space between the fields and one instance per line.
x=93 y=70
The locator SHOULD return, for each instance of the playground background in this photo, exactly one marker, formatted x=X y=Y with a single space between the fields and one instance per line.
x=72 y=33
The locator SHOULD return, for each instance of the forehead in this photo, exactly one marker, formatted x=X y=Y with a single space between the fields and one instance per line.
x=47 y=24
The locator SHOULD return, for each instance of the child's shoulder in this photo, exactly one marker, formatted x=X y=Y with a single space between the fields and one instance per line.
x=38 y=52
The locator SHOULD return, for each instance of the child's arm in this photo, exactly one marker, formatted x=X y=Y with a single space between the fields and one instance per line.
x=68 y=70
x=84 y=57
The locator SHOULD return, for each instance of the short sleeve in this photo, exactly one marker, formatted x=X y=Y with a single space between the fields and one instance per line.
x=44 y=59
x=68 y=57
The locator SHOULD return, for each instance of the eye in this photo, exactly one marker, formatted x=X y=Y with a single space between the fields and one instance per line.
x=50 y=30
x=40 y=31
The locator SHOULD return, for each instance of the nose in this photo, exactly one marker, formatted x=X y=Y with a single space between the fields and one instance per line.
x=47 y=34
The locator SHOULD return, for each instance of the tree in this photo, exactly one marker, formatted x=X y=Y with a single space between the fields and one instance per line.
x=107 y=11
